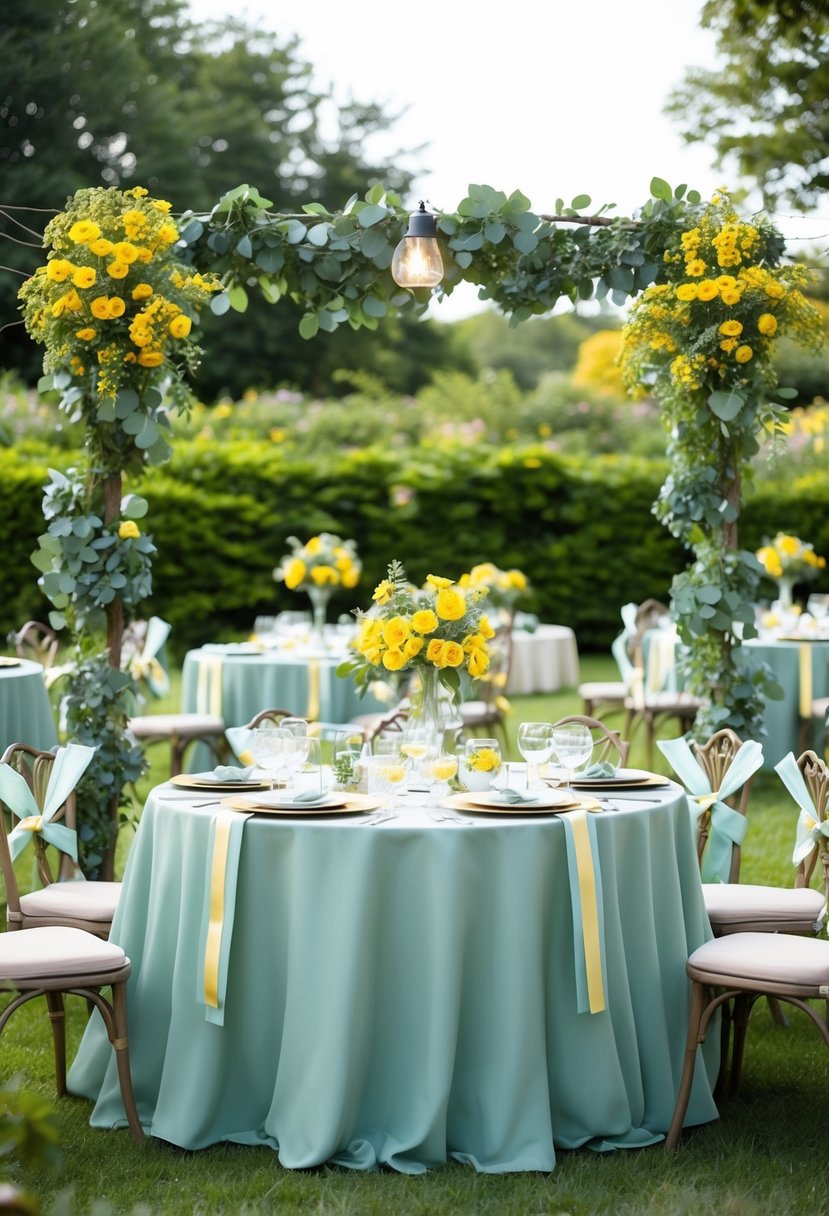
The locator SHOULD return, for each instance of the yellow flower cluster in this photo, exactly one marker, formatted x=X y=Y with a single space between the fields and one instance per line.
x=441 y=625
x=483 y=760
x=504 y=587
x=323 y=561
x=111 y=286
x=711 y=326
x=789 y=557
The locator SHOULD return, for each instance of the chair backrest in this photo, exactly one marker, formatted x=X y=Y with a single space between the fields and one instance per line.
x=608 y=744
x=37 y=641
x=271 y=715
x=716 y=756
x=35 y=767
x=395 y=721
x=815 y=774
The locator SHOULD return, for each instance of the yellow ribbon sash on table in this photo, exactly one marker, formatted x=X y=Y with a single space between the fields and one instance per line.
x=222 y=874
x=804 y=659
x=209 y=685
x=313 y=710
x=218 y=869
x=589 y=907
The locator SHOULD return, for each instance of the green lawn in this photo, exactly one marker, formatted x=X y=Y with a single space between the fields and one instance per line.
x=766 y=1154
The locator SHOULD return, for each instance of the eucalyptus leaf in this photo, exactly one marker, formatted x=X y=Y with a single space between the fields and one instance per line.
x=309 y=325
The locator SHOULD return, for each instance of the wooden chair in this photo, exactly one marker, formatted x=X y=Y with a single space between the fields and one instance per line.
x=648 y=700
x=53 y=962
x=276 y=716
x=610 y=744
x=180 y=730
x=37 y=641
x=395 y=721
x=743 y=967
x=59 y=900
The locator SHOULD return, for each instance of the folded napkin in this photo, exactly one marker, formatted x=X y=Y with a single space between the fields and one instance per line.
x=224 y=773
x=603 y=768
x=511 y=796
x=309 y=796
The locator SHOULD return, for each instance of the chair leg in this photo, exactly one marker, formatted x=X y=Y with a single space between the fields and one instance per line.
x=691 y=1043
x=122 y=1060
x=743 y=1006
x=54 y=1003
x=726 y=1021
x=776 y=1010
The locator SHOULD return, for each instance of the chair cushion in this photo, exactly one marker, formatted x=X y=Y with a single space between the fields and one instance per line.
x=597 y=691
x=766 y=958
x=79 y=900
x=733 y=902
x=41 y=953
x=184 y=726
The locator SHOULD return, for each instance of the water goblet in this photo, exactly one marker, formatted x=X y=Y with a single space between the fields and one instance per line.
x=294 y=751
x=386 y=772
x=313 y=769
x=440 y=769
x=535 y=743
x=573 y=745
x=265 y=746
x=294 y=726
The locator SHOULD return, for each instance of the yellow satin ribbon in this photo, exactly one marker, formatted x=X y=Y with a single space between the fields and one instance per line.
x=589 y=910
x=804 y=660
x=313 y=690
x=32 y=823
x=705 y=801
x=218 y=867
x=209 y=686
x=140 y=669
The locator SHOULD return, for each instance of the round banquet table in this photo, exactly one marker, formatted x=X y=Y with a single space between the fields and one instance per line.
x=402 y=993
x=543 y=661
x=802 y=670
x=25 y=710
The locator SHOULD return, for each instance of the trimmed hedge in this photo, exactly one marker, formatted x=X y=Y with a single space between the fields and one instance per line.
x=584 y=532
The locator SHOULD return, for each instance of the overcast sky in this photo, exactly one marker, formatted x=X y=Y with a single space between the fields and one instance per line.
x=555 y=99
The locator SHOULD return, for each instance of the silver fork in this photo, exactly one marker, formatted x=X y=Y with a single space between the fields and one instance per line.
x=451 y=817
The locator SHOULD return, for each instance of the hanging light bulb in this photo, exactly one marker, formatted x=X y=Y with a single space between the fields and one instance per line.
x=417 y=261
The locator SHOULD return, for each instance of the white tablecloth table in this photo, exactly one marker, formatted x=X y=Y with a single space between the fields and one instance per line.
x=543 y=661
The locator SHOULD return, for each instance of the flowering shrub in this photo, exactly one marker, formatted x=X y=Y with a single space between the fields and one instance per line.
x=438 y=627
x=504 y=587
x=323 y=561
x=788 y=557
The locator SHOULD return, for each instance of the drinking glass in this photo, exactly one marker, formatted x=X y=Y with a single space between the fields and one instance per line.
x=535 y=743
x=294 y=726
x=440 y=769
x=313 y=770
x=386 y=774
x=573 y=745
x=294 y=750
x=266 y=747
x=415 y=746
x=818 y=606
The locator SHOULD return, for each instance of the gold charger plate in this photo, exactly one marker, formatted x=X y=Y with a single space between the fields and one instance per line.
x=186 y=782
x=351 y=804
x=645 y=781
x=460 y=802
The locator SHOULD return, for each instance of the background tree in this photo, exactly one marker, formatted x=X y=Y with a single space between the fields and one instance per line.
x=766 y=112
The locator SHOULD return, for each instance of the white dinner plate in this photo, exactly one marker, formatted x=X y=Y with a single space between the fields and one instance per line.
x=628 y=778
x=544 y=800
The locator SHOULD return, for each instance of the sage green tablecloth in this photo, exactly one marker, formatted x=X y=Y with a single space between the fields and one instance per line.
x=782 y=718
x=404 y=993
x=25 y=712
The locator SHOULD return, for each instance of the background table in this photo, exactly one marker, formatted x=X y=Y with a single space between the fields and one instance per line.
x=237 y=685
x=25 y=710
x=782 y=718
x=404 y=993
x=543 y=661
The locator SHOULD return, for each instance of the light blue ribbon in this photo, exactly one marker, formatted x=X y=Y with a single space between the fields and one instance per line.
x=728 y=826
x=68 y=767
x=145 y=666
x=239 y=739
x=811 y=833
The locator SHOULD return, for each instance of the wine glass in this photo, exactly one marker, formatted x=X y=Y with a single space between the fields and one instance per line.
x=265 y=746
x=386 y=772
x=294 y=751
x=294 y=726
x=415 y=745
x=314 y=767
x=535 y=743
x=573 y=745
x=440 y=769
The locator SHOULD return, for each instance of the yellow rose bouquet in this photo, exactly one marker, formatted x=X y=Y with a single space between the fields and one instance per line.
x=789 y=560
x=438 y=631
x=318 y=567
x=505 y=587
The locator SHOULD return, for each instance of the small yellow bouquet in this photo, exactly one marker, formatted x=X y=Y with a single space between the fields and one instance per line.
x=323 y=561
x=505 y=587
x=437 y=630
x=789 y=560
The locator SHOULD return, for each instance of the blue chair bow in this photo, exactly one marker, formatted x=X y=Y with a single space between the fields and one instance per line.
x=812 y=832
x=68 y=767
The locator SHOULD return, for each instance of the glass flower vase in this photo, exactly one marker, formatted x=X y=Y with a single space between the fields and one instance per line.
x=431 y=708
x=319 y=597
x=785 y=592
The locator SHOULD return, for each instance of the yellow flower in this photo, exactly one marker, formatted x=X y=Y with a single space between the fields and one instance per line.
x=142 y=291
x=151 y=358
x=128 y=530
x=351 y=577
x=84 y=276
x=313 y=546
x=484 y=760
x=707 y=290
x=180 y=326
x=743 y=353
x=84 y=231
x=774 y=291
x=767 y=324
x=728 y=345
x=477 y=663
x=396 y=631
x=434 y=652
x=161 y=204
x=124 y=251
x=435 y=580
x=58 y=270
x=168 y=233
x=730 y=296
x=118 y=270
x=731 y=329
x=394 y=659
x=474 y=641
x=100 y=308
x=450 y=605
x=101 y=247
x=726 y=282
x=686 y=292
x=117 y=307
x=383 y=592
x=453 y=655
x=412 y=647
x=321 y=575
x=424 y=621
x=294 y=573
x=788 y=544
x=485 y=628
x=86 y=335
x=695 y=268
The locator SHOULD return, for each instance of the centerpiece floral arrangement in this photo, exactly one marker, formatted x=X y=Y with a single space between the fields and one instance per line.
x=788 y=560
x=437 y=631
x=505 y=587
x=322 y=561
